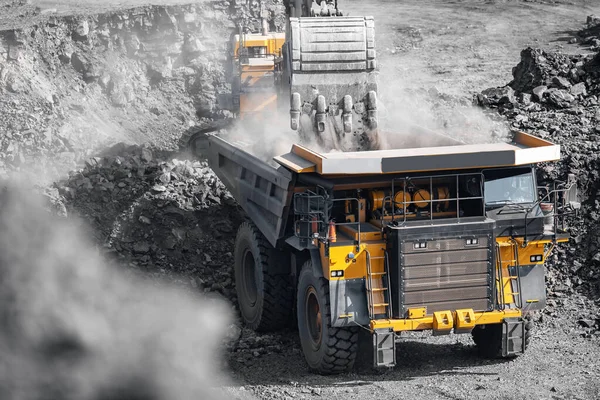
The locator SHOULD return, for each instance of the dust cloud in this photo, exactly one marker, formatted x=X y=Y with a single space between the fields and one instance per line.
x=408 y=118
x=74 y=327
x=405 y=113
x=98 y=5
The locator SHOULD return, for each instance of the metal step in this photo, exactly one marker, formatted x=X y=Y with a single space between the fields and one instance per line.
x=384 y=346
x=513 y=337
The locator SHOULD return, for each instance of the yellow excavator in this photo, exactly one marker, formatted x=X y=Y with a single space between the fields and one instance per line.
x=322 y=69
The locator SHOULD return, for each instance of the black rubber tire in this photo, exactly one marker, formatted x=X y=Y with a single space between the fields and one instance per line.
x=488 y=339
x=265 y=299
x=332 y=350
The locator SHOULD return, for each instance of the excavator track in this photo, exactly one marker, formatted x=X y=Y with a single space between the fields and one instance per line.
x=331 y=64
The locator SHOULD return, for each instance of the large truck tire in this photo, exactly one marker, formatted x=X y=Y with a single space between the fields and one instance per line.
x=265 y=298
x=327 y=350
x=488 y=339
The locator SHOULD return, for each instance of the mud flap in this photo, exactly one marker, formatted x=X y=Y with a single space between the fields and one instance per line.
x=384 y=346
x=348 y=303
x=513 y=337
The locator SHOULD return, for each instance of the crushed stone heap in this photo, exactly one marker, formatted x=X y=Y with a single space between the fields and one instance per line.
x=555 y=96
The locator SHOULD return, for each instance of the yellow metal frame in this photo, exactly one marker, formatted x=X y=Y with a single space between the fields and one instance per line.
x=427 y=323
x=272 y=41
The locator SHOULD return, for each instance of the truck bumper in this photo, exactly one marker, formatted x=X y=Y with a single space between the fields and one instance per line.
x=442 y=322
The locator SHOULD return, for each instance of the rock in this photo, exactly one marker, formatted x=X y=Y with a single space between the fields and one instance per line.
x=141 y=247
x=14 y=52
x=579 y=89
x=561 y=83
x=82 y=30
x=170 y=242
x=144 y=220
x=538 y=92
x=500 y=95
x=83 y=65
x=587 y=323
x=592 y=21
x=159 y=188
x=525 y=98
x=146 y=155
x=560 y=98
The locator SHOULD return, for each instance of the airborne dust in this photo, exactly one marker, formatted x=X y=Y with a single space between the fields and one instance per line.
x=75 y=327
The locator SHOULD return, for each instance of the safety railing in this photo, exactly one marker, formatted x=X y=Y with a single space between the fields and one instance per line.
x=313 y=221
x=428 y=208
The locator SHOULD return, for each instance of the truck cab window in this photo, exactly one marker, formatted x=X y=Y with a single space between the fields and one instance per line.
x=509 y=187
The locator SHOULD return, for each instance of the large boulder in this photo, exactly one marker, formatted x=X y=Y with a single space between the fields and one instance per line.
x=499 y=96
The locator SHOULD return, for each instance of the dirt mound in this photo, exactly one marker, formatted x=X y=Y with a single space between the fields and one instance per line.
x=555 y=96
x=591 y=34
x=70 y=85
x=553 y=70
x=157 y=214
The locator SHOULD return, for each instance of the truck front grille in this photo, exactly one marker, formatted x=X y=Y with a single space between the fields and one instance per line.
x=442 y=271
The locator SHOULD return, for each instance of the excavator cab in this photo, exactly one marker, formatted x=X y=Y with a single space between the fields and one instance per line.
x=255 y=56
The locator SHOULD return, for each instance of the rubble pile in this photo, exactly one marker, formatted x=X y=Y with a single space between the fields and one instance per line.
x=70 y=85
x=591 y=34
x=157 y=214
x=164 y=218
x=556 y=97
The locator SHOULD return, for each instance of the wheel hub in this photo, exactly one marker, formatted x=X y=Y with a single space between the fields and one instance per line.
x=314 y=320
x=249 y=277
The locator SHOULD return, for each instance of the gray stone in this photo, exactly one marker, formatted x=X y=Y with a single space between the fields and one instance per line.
x=82 y=30
x=560 y=98
x=146 y=155
x=14 y=53
x=587 y=323
x=538 y=92
x=579 y=89
x=141 y=247
x=525 y=98
x=560 y=82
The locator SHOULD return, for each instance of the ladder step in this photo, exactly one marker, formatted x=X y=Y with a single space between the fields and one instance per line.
x=378 y=273
x=377 y=289
x=380 y=304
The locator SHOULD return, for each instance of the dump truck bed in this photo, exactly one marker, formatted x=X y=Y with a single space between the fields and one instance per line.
x=524 y=149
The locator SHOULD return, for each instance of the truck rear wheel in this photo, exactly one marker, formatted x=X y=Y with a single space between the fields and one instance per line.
x=327 y=350
x=488 y=339
x=265 y=298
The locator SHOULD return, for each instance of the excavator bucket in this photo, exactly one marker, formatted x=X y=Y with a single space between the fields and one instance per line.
x=331 y=71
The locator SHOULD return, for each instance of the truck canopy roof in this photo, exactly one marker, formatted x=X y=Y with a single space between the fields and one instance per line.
x=524 y=149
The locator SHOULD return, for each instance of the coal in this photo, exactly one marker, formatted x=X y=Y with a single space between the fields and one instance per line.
x=556 y=98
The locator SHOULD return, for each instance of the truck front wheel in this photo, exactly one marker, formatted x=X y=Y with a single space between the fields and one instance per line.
x=264 y=292
x=327 y=350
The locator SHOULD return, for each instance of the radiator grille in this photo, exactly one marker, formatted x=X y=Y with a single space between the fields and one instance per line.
x=443 y=273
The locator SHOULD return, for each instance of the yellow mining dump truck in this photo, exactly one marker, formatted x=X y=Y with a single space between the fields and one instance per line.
x=446 y=239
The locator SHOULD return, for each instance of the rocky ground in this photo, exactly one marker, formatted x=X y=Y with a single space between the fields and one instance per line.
x=94 y=100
